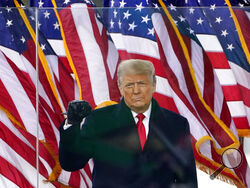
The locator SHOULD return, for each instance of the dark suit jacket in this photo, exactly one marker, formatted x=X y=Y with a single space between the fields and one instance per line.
x=109 y=136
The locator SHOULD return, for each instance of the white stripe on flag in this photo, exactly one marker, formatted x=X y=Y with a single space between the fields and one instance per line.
x=112 y=58
x=46 y=165
x=236 y=108
x=32 y=73
x=205 y=149
x=6 y=121
x=54 y=127
x=162 y=86
x=82 y=183
x=241 y=75
x=97 y=72
x=64 y=177
x=17 y=161
x=19 y=97
x=58 y=47
x=169 y=53
x=218 y=97
x=248 y=113
x=248 y=15
x=198 y=65
x=137 y=45
x=52 y=62
x=225 y=76
x=99 y=25
x=4 y=182
x=88 y=180
x=53 y=65
x=14 y=57
x=196 y=128
x=210 y=43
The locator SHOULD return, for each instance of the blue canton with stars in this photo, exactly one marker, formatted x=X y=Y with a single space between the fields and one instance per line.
x=14 y=32
x=11 y=35
x=48 y=23
x=130 y=17
x=47 y=20
x=211 y=17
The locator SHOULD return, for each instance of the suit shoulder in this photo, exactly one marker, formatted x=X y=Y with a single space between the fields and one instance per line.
x=173 y=115
x=106 y=109
x=103 y=112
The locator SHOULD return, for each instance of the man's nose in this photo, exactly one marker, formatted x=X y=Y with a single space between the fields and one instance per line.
x=136 y=89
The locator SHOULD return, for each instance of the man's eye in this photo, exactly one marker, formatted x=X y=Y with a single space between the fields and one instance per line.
x=142 y=83
x=129 y=85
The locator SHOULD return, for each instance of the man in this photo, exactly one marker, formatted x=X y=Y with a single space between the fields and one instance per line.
x=135 y=143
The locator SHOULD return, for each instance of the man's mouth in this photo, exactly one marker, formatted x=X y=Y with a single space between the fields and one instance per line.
x=137 y=99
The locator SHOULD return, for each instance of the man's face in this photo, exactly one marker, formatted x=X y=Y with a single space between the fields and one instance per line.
x=137 y=90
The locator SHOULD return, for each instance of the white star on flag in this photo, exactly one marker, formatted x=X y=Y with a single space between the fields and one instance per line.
x=132 y=26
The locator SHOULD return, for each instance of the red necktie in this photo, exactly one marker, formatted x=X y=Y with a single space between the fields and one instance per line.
x=141 y=129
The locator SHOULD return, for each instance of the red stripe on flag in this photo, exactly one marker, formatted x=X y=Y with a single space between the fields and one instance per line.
x=241 y=122
x=102 y=41
x=244 y=23
x=88 y=171
x=74 y=179
x=77 y=54
x=21 y=149
x=65 y=62
x=218 y=60
x=231 y=93
x=43 y=119
x=7 y=102
x=13 y=174
x=245 y=92
x=64 y=82
x=173 y=81
x=225 y=115
x=242 y=169
x=30 y=56
x=166 y=102
x=84 y=179
x=208 y=90
x=206 y=117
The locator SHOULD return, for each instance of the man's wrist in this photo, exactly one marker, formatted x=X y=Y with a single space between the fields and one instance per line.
x=66 y=125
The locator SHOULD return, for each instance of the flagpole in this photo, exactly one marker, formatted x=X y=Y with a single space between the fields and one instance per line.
x=37 y=101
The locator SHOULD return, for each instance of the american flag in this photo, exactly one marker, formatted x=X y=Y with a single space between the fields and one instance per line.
x=89 y=51
x=186 y=80
x=215 y=28
x=18 y=101
x=49 y=26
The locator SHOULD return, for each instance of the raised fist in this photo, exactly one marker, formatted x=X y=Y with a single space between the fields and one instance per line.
x=77 y=110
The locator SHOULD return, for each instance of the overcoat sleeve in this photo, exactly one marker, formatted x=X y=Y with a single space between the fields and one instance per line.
x=74 y=149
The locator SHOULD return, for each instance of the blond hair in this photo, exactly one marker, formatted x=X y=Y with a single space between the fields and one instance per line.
x=136 y=66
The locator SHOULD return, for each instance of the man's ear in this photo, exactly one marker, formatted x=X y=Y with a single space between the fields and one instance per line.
x=154 y=87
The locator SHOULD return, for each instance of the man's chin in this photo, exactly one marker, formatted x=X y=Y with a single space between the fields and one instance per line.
x=139 y=108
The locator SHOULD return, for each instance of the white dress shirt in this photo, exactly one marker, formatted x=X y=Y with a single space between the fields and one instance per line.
x=145 y=120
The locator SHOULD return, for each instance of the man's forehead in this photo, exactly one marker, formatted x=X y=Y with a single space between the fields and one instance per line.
x=135 y=77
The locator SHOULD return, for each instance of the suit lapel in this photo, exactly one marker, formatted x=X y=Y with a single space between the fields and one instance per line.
x=124 y=115
x=156 y=121
x=126 y=120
